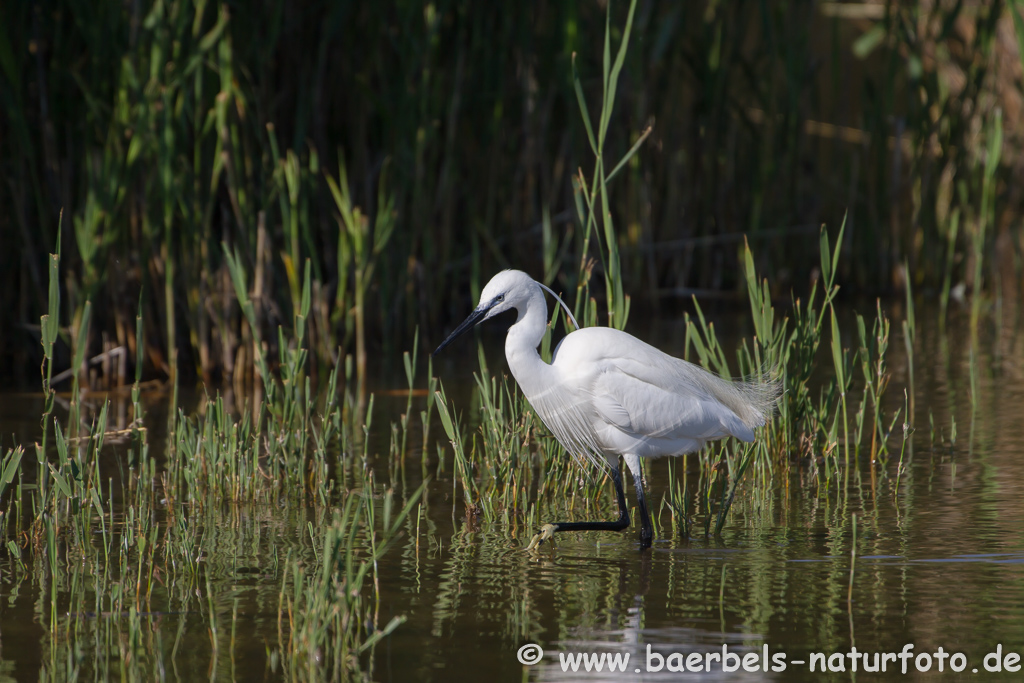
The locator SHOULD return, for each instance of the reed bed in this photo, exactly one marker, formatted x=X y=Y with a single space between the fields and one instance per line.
x=120 y=550
x=401 y=169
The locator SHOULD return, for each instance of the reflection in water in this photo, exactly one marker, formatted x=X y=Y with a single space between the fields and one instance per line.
x=940 y=562
x=633 y=652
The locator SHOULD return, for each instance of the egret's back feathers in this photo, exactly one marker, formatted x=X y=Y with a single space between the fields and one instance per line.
x=610 y=393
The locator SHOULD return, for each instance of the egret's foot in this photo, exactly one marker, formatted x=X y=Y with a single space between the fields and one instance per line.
x=546 y=532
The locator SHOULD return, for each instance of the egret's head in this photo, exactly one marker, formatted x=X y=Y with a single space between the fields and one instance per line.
x=506 y=290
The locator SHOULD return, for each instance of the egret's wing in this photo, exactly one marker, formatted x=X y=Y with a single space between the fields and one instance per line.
x=661 y=414
x=613 y=394
x=594 y=351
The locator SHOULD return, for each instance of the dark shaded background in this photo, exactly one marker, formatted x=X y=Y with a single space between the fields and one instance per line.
x=163 y=130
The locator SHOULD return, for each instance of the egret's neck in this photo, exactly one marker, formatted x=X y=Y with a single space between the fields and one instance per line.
x=521 y=344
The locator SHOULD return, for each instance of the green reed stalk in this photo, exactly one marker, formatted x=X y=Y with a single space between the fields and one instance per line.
x=986 y=214
x=50 y=326
x=78 y=364
x=839 y=362
x=359 y=249
x=450 y=425
x=617 y=301
x=909 y=336
x=853 y=562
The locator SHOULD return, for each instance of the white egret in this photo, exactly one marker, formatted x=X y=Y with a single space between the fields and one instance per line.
x=606 y=393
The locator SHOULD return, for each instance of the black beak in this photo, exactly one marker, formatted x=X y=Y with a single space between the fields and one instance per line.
x=474 y=317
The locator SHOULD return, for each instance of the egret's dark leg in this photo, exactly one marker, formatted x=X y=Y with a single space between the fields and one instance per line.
x=618 y=525
x=646 y=528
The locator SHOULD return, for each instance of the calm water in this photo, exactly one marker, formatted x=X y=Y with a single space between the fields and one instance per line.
x=940 y=563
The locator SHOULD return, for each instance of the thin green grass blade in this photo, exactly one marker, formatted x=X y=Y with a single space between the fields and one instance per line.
x=11 y=463
x=629 y=155
x=620 y=58
x=578 y=87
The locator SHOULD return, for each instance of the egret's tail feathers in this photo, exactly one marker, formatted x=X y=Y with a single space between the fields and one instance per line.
x=761 y=394
x=752 y=399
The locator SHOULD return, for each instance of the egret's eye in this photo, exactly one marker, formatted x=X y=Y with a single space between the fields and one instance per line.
x=501 y=297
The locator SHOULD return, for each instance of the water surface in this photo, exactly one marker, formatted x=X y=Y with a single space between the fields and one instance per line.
x=939 y=563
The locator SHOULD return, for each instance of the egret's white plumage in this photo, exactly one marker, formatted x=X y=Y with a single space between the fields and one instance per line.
x=606 y=393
